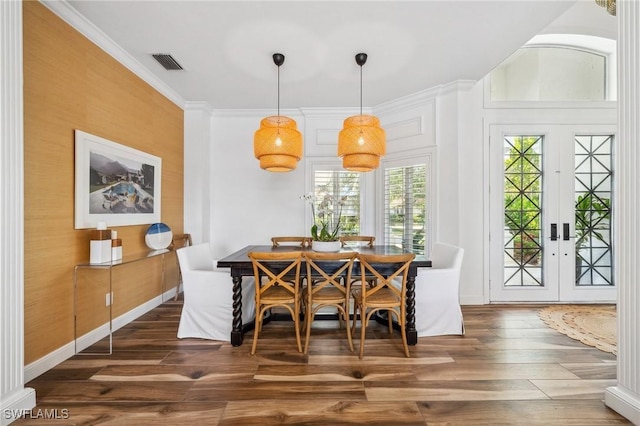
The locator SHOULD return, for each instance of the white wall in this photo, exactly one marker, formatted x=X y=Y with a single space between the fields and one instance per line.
x=449 y=119
x=197 y=185
x=473 y=232
x=248 y=204
x=410 y=126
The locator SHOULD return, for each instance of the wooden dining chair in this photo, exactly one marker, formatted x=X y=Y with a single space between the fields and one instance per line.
x=178 y=241
x=328 y=285
x=359 y=239
x=303 y=242
x=274 y=287
x=382 y=295
x=296 y=241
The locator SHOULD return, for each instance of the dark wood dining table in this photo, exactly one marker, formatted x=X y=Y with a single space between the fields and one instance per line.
x=241 y=266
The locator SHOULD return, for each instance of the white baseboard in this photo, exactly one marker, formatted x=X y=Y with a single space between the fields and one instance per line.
x=86 y=340
x=16 y=405
x=126 y=318
x=48 y=361
x=624 y=403
x=65 y=352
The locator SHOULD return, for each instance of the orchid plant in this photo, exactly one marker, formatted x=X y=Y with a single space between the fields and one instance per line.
x=326 y=223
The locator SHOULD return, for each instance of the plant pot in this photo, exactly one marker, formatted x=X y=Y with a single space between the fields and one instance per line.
x=326 y=246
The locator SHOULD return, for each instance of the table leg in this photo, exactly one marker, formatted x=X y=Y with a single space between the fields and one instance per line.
x=236 y=327
x=412 y=333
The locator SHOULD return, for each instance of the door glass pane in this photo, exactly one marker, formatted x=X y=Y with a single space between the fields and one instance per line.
x=593 y=193
x=522 y=211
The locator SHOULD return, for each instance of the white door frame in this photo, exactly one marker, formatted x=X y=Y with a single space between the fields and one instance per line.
x=559 y=261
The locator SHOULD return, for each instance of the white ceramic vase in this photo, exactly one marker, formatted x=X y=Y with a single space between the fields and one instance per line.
x=326 y=246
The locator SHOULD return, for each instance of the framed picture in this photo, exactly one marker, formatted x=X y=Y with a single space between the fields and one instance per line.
x=115 y=184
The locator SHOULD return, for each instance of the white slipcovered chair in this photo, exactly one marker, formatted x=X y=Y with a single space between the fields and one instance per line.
x=207 y=312
x=437 y=293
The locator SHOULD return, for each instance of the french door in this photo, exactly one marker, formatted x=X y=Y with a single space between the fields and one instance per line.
x=551 y=196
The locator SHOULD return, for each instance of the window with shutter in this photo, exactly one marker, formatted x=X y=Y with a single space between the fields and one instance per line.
x=405 y=207
x=339 y=184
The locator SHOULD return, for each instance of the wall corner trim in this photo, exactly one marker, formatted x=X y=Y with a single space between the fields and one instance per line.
x=201 y=106
x=18 y=403
x=423 y=97
x=623 y=402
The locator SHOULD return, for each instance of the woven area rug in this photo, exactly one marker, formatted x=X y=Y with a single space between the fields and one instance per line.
x=593 y=325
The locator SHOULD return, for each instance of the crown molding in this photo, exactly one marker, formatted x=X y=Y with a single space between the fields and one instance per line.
x=457 y=86
x=258 y=112
x=201 y=106
x=71 y=16
x=415 y=100
x=411 y=101
x=333 y=113
x=424 y=97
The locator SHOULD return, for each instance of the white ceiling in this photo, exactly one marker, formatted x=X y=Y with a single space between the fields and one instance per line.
x=225 y=47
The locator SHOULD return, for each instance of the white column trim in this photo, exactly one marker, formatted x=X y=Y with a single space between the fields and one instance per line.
x=198 y=139
x=14 y=397
x=625 y=396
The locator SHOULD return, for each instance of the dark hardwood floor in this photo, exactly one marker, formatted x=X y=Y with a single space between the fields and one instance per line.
x=509 y=369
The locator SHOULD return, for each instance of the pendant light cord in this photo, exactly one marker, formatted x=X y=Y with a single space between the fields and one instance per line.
x=278 y=90
x=360 y=89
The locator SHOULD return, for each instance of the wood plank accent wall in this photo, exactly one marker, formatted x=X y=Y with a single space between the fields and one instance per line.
x=70 y=83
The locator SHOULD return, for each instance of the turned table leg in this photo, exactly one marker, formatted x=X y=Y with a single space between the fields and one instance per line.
x=412 y=333
x=236 y=327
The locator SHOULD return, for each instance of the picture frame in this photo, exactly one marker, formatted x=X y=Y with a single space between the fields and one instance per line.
x=115 y=184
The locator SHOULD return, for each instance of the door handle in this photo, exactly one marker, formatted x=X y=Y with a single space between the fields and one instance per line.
x=565 y=232
x=554 y=232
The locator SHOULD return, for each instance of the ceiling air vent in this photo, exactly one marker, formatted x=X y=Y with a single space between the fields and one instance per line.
x=167 y=61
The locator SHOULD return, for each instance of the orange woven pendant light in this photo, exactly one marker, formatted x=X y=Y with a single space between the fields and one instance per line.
x=278 y=143
x=361 y=142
